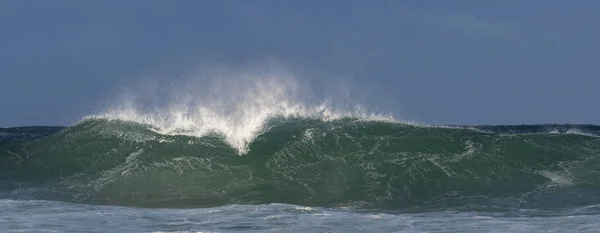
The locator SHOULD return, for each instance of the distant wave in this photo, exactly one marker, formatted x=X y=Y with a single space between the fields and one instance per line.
x=17 y=134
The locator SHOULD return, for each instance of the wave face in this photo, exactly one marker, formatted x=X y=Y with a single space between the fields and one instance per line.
x=342 y=162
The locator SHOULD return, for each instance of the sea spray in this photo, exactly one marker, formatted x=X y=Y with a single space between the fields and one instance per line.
x=235 y=104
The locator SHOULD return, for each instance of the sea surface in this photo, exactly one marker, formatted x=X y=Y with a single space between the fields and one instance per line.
x=299 y=174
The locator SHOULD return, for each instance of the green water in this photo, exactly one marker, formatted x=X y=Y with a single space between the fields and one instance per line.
x=342 y=163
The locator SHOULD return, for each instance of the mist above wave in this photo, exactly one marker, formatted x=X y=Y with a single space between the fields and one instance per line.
x=233 y=103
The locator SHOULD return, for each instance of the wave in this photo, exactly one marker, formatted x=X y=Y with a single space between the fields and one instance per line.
x=263 y=138
x=347 y=161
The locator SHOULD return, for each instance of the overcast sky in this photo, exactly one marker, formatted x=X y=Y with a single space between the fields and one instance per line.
x=448 y=62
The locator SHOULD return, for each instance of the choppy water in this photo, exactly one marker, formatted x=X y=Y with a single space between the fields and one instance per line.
x=52 y=216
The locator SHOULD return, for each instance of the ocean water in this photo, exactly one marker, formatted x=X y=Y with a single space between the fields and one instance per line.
x=52 y=216
x=264 y=158
x=300 y=174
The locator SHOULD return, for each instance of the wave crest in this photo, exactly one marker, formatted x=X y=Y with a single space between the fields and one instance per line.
x=235 y=105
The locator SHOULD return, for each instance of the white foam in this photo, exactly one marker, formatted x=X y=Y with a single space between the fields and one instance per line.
x=236 y=105
x=557 y=178
x=304 y=208
x=578 y=132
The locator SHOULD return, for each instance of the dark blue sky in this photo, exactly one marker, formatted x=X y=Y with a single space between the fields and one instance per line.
x=453 y=62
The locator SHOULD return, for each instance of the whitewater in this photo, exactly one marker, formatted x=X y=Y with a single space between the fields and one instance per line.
x=255 y=150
